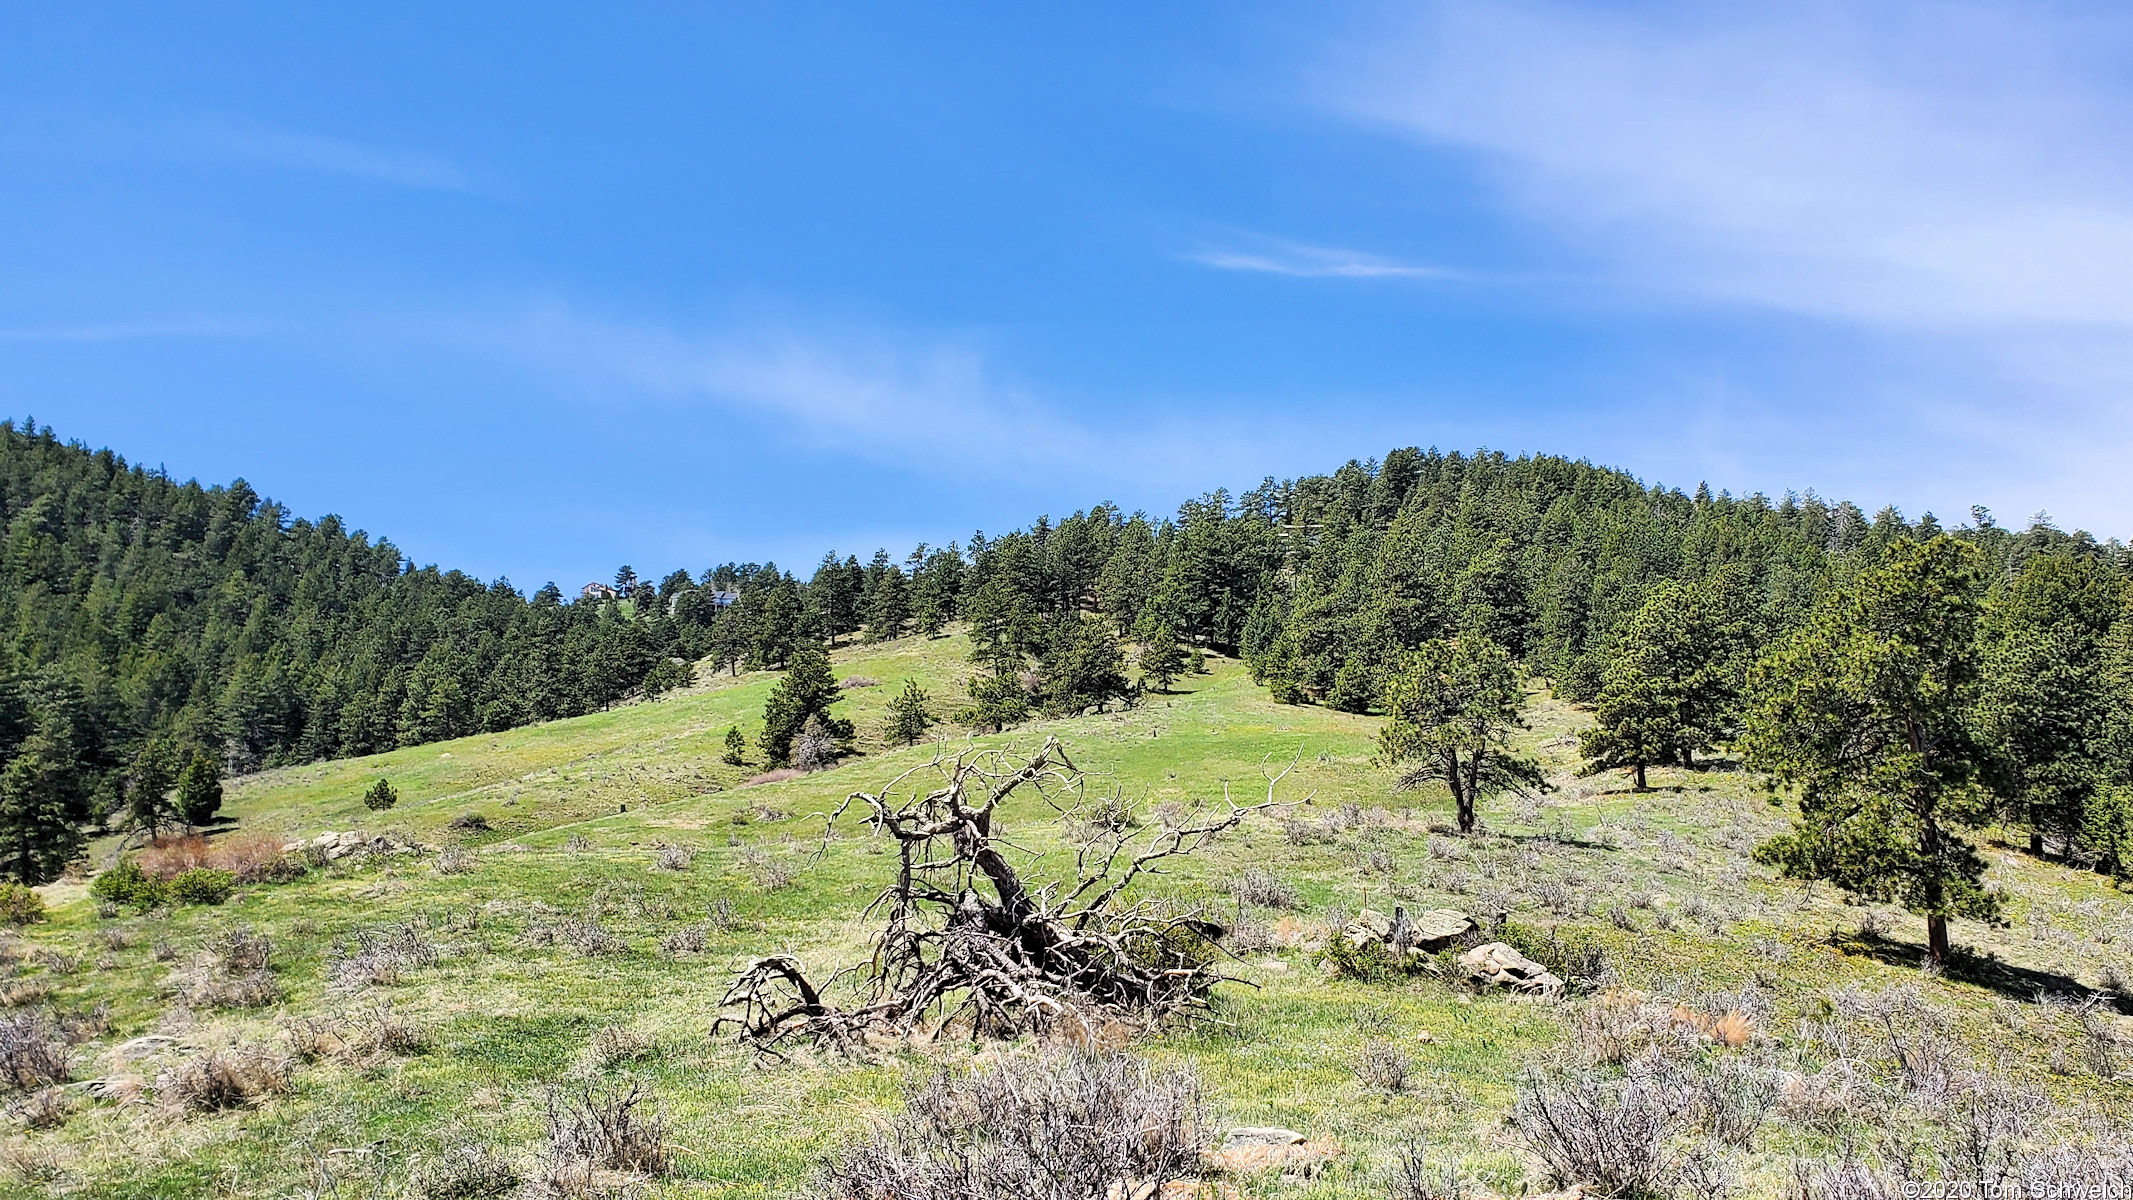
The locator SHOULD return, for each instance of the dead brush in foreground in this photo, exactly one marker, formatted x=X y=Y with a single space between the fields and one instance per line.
x=236 y=970
x=219 y=1079
x=378 y=955
x=595 y=1133
x=1061 y=1124
x=359 y=1037
x=34 y=1052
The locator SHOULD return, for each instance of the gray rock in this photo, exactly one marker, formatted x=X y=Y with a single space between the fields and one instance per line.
x=1439 y=927
x=1499 y=965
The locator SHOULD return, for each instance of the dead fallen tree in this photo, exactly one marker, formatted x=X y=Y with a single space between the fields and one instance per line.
x=965 y=942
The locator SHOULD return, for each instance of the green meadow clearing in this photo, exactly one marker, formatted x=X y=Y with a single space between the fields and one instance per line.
x=578 y=813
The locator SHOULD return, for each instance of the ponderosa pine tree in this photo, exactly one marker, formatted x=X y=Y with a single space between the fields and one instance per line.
x=807 y=689
x=888 y=599
x=199 y=793
x=1162 y=659
x=1083 y=666
x=153 y=774
x=2047 y=700
x=380 y=795
x=1870 y=712
x=910 y=715
x=1450 y=708
x=996 y=703
x=1666 y=692
x=42 y=805
x=835 y=597
x=736 y=747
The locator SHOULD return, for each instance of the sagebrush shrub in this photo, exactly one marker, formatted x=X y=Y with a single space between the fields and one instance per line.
x=34 y=1052
x=601 y=1128
x=466 y=1171
x=1061 y=1124
x=1262 y=887
x=219 y=1079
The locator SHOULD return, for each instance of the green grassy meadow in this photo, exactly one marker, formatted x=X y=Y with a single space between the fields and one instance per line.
x=577 y=811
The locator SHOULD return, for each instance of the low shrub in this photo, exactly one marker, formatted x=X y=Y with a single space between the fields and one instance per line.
x=240 y=951
x=466 y=1171
x=614 y=1045
x=1262 y=887
x=376 y=955
x=472 y=822
x=20 y=905
x=596 y=1128
x=34 y=1052
x=253 y=857
x=454 y=859
x=1063 y=1124
x=220 y=1079
x=202 y=885
x=45 y=1108
x=1382 y=1065
x=689 y=939
x=129 y=885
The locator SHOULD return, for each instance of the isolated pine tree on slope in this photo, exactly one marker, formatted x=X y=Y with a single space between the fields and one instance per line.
x=1870 y=712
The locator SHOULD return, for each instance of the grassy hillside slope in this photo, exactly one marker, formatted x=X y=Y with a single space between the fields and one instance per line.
x=579 y=809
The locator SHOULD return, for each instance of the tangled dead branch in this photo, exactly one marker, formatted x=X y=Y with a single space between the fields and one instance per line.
x=966 y=942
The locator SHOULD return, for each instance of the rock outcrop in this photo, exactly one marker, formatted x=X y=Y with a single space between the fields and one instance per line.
x=1498 y=965
x=1401 y=934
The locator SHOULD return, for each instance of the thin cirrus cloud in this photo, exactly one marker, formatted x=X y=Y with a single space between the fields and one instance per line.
x=1933 y=167
x=895 y=400
x=1942 y=184
x=1273 y=257
x=328 y=155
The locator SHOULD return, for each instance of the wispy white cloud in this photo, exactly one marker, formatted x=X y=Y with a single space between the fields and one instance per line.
x=1275 y=257
x=330 y=155
x=926 y=404
x=1918 y=165
x=1943 y=184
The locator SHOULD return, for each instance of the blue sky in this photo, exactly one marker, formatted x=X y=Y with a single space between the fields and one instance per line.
x=538 y=290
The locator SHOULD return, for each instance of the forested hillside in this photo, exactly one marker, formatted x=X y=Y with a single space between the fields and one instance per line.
x=147 y=620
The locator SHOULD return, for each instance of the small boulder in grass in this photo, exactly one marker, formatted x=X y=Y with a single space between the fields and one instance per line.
x=1499 y=965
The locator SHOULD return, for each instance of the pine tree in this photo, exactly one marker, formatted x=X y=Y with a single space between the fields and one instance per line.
x=380 y=795
x=888 y=599
x=909 y=715
x=736 y=747
x=1665 y=693
x=2046 y=700
x=1869 y=712
x=154 y=773
x=199 y=794
x=1450 y=708
x=807 y=689
x=996 y=703
x=1162 y=659
x=40 y=809
x=1083 y=666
